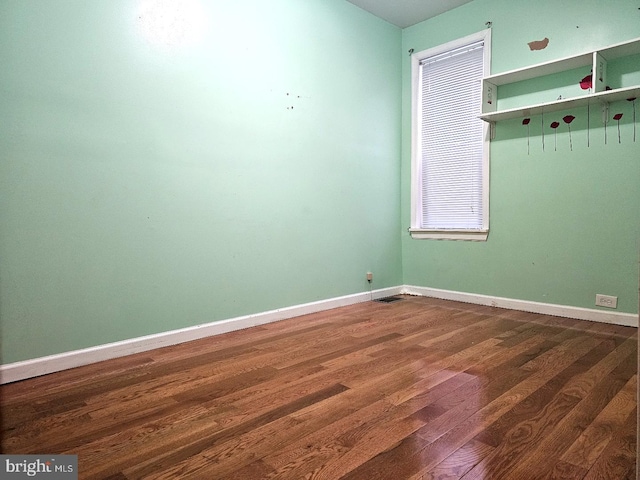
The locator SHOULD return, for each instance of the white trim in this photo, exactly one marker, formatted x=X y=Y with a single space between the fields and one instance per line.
x=615 y=318
x=13 y=372
x=473 y=235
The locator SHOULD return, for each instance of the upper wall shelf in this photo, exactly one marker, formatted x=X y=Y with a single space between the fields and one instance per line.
x=518 y=84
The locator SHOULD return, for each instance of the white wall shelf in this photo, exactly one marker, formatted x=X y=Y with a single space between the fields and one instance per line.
x=598 y=95
x=597 y=99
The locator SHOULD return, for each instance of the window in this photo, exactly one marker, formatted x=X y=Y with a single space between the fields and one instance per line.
x=450 y=144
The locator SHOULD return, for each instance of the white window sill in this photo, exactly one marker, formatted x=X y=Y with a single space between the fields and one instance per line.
x=471 y=235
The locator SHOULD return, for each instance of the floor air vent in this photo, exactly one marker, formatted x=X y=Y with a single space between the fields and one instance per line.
x=388 y=299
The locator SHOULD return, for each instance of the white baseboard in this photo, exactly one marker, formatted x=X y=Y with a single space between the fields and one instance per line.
x=13 y=372
x=616 y=318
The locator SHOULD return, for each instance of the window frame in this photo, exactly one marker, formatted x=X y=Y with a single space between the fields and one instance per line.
x=416 y=230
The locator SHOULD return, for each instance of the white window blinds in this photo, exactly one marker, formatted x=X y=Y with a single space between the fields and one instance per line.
x=451 y=140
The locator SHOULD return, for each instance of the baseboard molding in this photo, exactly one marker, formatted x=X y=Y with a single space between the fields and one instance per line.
x=13 y=372
x=616 y=318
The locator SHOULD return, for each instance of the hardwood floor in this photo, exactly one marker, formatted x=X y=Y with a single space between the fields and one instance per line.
x=415 y=389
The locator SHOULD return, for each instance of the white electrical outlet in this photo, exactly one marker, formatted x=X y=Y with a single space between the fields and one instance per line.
x=369 y=277
x=606 y=301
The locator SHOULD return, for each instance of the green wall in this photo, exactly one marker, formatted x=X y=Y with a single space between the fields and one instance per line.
x=260 y=159
x=153 y=184
x=564 y=224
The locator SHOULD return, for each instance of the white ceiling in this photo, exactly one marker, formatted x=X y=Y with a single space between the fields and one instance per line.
x=404 y=13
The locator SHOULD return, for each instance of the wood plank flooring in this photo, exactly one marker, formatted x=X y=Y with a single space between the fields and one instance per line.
x=415 y=389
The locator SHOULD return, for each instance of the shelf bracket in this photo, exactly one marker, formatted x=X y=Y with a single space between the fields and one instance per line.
x=605 y=112
x=492 y=130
